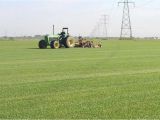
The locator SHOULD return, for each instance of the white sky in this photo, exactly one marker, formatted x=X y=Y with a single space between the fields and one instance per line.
x=32 y=17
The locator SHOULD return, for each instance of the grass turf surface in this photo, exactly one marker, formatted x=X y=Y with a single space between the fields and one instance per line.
x=120 y=80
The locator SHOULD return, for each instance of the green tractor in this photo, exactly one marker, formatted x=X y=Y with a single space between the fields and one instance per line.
x=56 y=41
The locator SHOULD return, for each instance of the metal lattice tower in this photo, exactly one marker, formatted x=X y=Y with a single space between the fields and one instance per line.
x=100 y=30
x=126 y=28
x=105 y=22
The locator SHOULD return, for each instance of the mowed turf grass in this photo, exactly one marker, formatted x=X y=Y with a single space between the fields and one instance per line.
x=120 y=80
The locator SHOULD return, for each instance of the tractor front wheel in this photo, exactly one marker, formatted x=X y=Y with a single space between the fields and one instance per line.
x=55 y=44
x=42 y=44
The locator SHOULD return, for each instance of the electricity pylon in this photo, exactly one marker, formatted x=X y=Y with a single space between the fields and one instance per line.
x=105 y=22
x=126 y=28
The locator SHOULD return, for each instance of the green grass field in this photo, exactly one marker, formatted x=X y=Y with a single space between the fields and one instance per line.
x=120 y=80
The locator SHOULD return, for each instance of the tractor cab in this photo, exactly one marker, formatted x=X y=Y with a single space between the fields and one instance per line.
x=64 y=33
x=65 y=30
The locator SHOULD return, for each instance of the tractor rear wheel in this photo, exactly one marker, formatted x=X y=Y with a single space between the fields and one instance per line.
x=69 y=42
x=55 y=44
x=42 y=44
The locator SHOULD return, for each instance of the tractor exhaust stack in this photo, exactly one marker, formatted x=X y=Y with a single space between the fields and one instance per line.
x=53 y=29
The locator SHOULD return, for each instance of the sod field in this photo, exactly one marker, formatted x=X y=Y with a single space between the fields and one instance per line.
x=121 y=80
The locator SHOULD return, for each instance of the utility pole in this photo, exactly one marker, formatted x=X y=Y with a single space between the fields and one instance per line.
x=126 y=28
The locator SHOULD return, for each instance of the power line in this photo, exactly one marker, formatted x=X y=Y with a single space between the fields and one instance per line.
x=126 y=28
x=145 y=4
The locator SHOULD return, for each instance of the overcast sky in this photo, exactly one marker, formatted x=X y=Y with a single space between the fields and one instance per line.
x=32 y=17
